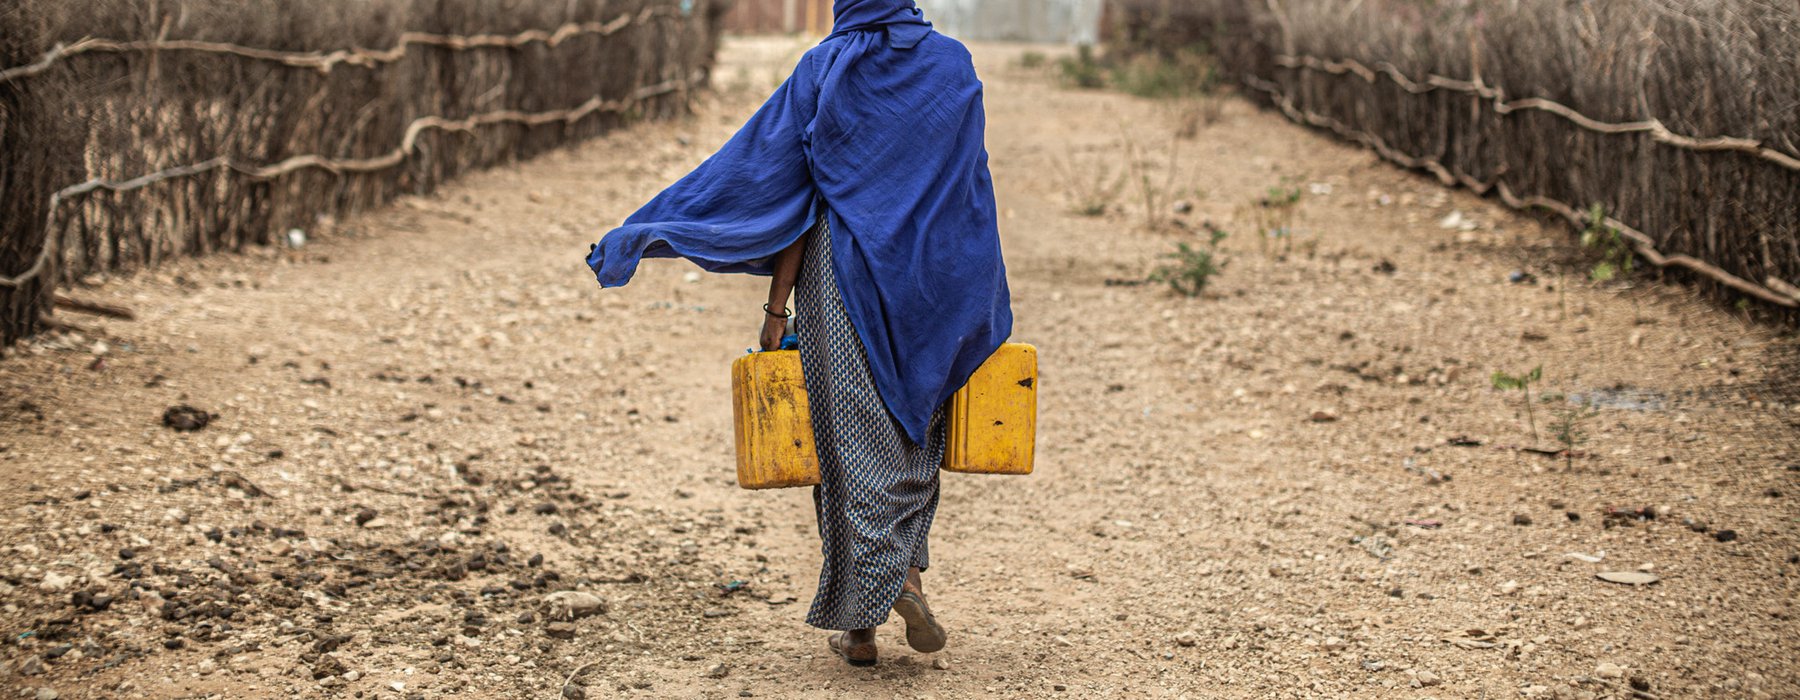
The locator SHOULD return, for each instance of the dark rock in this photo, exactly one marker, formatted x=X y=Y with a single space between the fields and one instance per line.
x=327 y=666
x=186 y=419
x=1521 y=519
x=544 y=509
x=1726 y=535
x=364 y=515
x=329 y=643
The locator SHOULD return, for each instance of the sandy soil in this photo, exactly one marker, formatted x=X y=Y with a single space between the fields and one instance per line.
x=1299 y=485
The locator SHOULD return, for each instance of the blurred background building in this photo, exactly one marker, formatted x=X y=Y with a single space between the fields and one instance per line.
x=1046 y=21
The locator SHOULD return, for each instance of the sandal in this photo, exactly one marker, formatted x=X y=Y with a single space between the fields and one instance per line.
x=859 y=655
x=923 y=633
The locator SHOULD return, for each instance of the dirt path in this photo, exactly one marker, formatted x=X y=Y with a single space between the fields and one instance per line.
x=1300 y=485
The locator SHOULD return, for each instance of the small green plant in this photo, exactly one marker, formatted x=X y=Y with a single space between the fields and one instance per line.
x=1033 y=60
x=1569 y=427
x=1083 y=70
x=1275 y=212
x=1616 y=256
x=1522 y=382
x=1192 y=268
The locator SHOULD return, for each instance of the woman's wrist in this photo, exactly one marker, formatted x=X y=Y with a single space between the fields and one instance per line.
x=784 y=315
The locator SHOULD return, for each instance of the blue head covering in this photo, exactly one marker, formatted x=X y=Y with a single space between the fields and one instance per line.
x=882 y=126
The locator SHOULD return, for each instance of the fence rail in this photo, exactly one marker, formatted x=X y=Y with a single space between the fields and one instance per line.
x=269 y=148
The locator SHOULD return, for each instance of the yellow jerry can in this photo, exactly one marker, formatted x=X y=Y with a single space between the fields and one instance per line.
x=774 y=422
x=993 y=419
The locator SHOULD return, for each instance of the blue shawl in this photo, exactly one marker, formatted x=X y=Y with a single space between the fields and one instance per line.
x=880 y=128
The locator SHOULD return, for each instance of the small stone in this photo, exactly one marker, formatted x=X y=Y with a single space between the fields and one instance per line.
x=55 y=583
x=32 y=667
x=940 y=663
x=46 y=694
x=1609 y=670
x=1324 y=417
x=1333 y=644
x=544 y=509
x=573 y=605
x=1187 y=639
x=574 y=692
x=526 y=618
x=1509 y=588
x=364 y=515
x=1521 y=519
x=718 y=671
x=1725 y=535
x=1629 y=578
x=1426 y=679
x=560 y=630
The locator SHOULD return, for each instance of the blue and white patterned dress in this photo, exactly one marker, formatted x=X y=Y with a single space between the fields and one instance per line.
x=879 y=490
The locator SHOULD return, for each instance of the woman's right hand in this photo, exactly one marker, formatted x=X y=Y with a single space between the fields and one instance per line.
x=774 y=329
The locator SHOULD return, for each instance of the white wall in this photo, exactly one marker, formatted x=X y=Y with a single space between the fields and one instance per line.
x=1045 y=21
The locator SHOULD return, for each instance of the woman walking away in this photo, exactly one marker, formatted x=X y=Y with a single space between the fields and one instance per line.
x=862 y=186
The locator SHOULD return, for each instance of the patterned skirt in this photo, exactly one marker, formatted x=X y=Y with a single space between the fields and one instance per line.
x=879 y=490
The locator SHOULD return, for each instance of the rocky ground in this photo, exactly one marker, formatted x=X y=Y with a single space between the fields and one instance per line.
x=425 y=457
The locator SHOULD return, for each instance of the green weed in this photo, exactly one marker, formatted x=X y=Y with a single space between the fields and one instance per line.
x=1569 y=427
x=1083 y=70
x=1616 y=256
x=1192 y=268
x=1522 y=382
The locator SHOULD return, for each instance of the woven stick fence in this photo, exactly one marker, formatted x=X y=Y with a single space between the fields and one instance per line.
x=1551 y=106
x=150 y=148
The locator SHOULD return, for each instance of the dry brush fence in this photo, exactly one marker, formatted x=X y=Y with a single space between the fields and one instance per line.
x=1680 y=119
x=132 y=131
